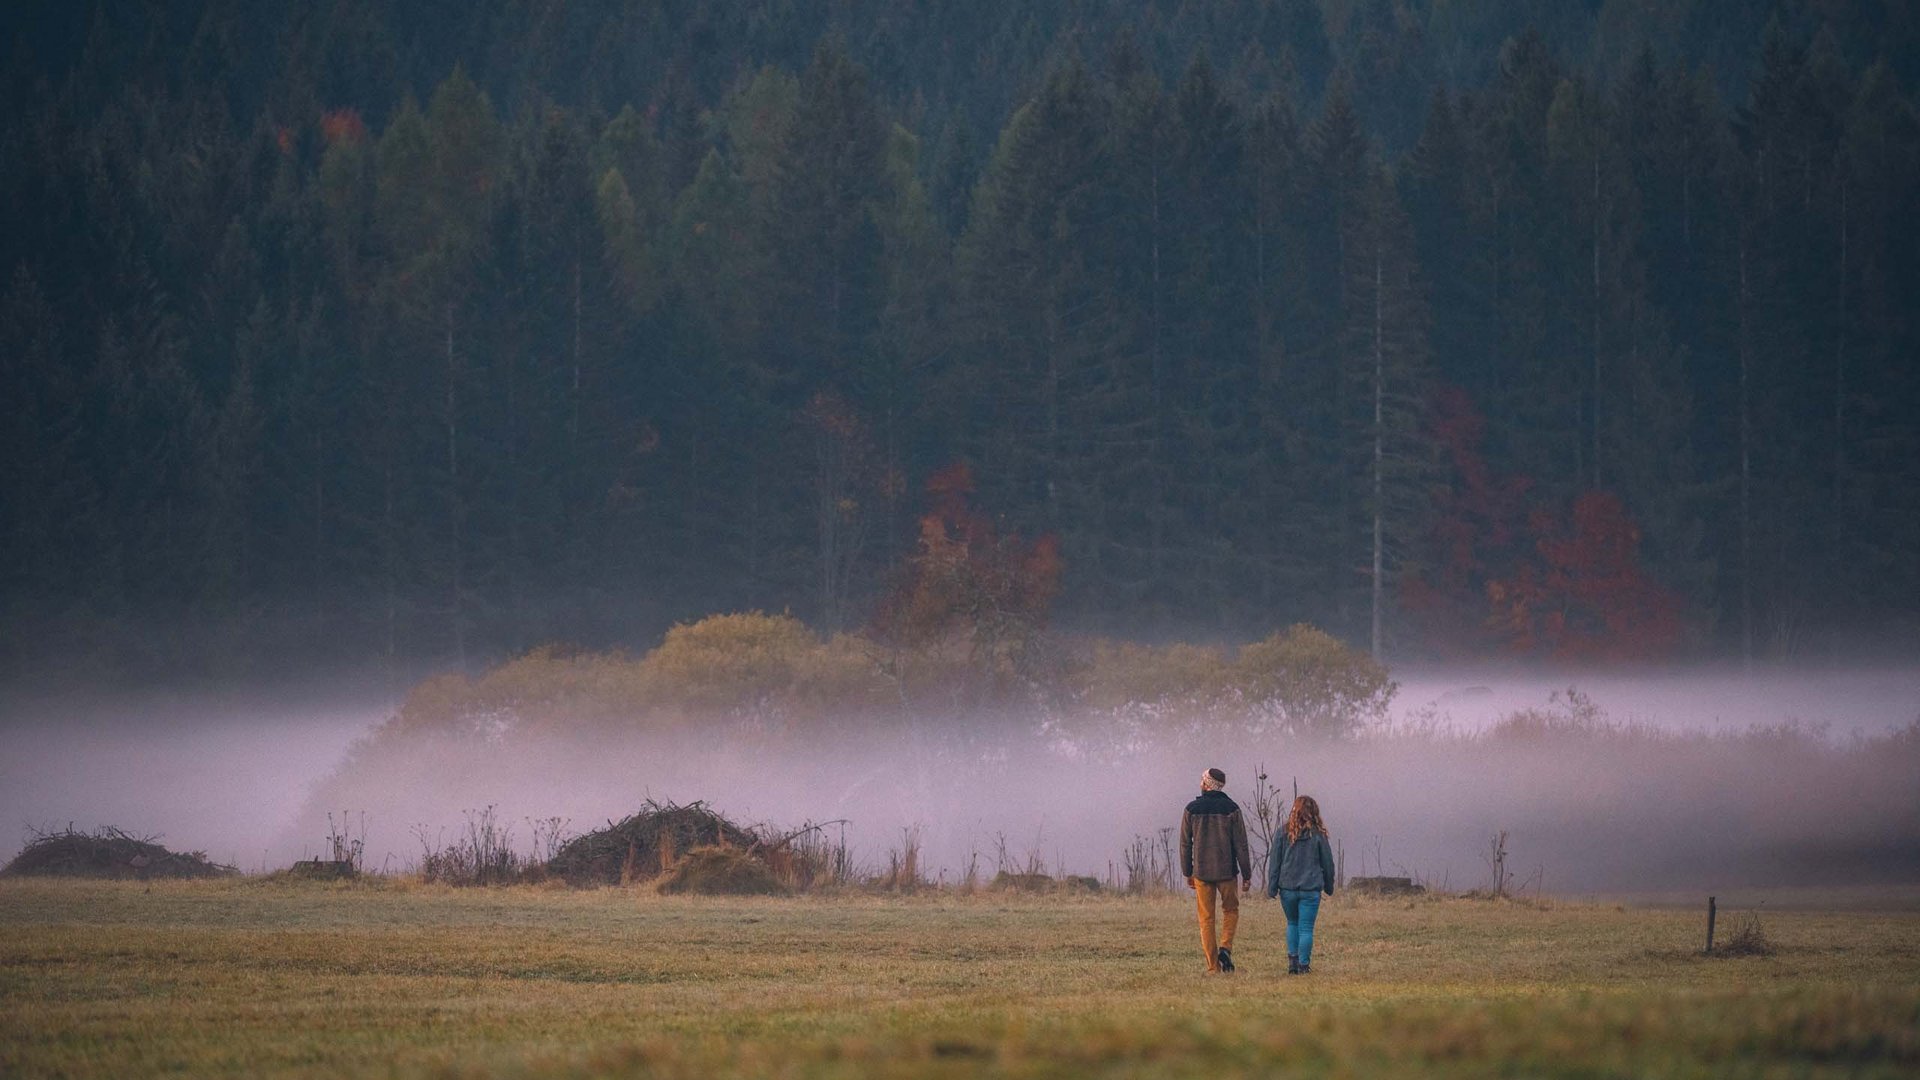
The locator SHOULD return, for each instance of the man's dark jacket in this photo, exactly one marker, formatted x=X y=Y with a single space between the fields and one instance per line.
x=1213 y=839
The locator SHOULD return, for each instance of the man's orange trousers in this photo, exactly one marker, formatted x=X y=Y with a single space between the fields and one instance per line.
x=1227 y=893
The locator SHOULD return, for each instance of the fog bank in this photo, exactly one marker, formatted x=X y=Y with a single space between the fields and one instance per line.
x=1722 y=698
x=226 y=774
x=248 y=779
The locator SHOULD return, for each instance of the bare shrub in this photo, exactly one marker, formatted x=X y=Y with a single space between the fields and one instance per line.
x=1497 y=864
x=550 y=834
x=1749 y=938
x=481 y=855
x=808 y=857
x=347 y=840
x=1568 y=713
x=1035 y=863
x=1146 y=871
x=1270 y=809
x=903 y=863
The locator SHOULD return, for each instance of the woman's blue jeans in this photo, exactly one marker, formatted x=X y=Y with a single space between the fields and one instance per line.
x=1301 y=906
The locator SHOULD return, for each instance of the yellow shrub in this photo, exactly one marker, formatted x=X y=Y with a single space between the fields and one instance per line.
x=545 y=687
x=774 y=669
x=1124 y=673
x=1311 y=683
x=730 y=660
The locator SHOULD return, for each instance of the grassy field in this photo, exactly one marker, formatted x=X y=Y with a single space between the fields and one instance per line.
x=257 y=978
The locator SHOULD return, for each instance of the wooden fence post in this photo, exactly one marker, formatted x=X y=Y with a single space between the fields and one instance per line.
x=1710 y=913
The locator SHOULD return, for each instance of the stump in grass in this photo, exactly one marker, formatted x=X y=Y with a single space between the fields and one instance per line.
x=1006 y=881
x=1011 y=882
x=323 y=870
x=108 y=853
x=1385 y=886
x=719 y=871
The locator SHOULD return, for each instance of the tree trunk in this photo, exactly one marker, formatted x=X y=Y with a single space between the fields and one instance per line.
x=573 y=416
x=1594 y=418
x=1746 y=458
x=318 y=567
x=390 y=555
x=457 y=524
x=1379 y=435
x=1157 y=488
x=1836 y=558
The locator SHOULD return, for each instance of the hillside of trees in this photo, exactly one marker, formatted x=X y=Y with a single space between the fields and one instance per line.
x=367 y=332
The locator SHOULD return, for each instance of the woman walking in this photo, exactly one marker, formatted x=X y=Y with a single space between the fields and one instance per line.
x=1299 y=870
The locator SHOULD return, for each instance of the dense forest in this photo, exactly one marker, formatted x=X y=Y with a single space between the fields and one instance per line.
x=364 y=331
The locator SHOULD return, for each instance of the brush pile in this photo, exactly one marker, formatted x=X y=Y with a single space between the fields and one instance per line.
x=645 y=845
x=719 y=871
x=108 y=852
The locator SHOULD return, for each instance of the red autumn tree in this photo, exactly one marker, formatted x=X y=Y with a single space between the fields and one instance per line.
x=1506 y=571
x=971 y=585
x=1585 y=595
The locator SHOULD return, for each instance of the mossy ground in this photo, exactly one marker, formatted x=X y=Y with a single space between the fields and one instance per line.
x=260 y=978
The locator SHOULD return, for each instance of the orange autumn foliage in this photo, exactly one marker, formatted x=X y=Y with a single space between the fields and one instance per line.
x=342 y=125
x=1585 y=595
x=971 y=583
x=1507 y=569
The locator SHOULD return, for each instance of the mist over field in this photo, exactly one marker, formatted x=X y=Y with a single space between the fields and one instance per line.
x=1707 y=777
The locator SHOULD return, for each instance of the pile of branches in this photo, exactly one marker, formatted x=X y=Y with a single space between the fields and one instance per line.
x=645 y=844
x=720 y=871
x=108 y=852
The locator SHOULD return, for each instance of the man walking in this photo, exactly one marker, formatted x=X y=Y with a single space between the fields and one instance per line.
x=1213 y=854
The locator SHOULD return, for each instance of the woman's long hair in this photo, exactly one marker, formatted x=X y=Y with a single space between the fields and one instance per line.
x=1304 y=819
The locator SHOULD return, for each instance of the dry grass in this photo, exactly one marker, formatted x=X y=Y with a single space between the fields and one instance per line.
x=263 y=979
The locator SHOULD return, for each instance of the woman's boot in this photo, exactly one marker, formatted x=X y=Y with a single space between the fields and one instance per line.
x=1293 y=964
